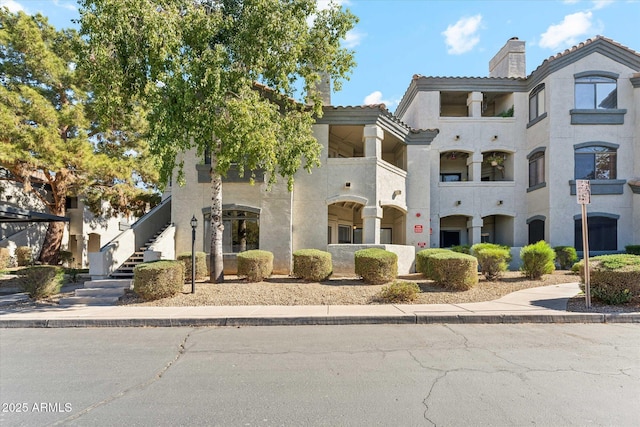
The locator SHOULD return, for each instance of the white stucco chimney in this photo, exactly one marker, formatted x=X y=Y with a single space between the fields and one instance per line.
x=510 y=60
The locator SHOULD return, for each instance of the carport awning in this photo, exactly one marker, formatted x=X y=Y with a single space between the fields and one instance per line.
x=13 y=214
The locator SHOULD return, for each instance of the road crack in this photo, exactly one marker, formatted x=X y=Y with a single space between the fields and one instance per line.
x=135 y=388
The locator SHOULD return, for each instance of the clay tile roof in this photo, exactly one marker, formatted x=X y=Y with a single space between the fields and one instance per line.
x=583 y=44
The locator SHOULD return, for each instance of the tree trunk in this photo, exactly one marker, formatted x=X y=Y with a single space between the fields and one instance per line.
x=50 y=252
x=217 y=227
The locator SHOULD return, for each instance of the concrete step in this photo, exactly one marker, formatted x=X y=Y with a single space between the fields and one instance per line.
x=119 y=275
x=108 y=283
x=89 y=300
x=99 y=292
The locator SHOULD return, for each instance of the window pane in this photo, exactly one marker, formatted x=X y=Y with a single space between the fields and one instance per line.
x=344 y=234
x=607 y=96
x=584 y=166
x=533 y=113
x=605 y=166
x=540 y=97
x=585 y=96
x=385 y=236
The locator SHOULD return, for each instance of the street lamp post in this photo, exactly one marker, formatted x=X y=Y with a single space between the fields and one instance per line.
x=194 y=225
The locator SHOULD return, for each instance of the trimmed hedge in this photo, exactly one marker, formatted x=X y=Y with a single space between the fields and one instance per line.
x=312 y=264
x=158 y=279
x=614 y=278
x=201 y=265
x=537 y=259
x=455 y=270
x=41 y=281
x=566 y=256
x=376 y=266
x=24 y=255
x=5 y=258
x=255 y=265
x=463 y=249
x=423 y=262
x=632 y=249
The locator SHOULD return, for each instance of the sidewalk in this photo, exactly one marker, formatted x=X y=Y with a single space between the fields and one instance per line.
x=536 y=305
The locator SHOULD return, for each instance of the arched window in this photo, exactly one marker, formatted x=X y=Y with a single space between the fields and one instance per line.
x=536 y=103
x=596 y=92
x=536 y=228
x=536 y=169
x=595 y=162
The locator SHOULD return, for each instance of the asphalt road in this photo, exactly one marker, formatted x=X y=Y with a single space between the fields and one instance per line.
x=390 y=375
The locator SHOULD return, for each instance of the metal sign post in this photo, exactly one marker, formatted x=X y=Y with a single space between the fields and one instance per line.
x=583 y=192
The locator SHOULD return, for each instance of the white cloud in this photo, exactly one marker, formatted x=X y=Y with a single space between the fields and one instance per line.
x=12 y=5
x=65 y=5
x=568 y=32
x=376 y=98
x=599 y=4
x=462 y=36
x=353 y=38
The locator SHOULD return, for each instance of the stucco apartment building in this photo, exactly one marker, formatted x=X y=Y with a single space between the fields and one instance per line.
x=462 y=160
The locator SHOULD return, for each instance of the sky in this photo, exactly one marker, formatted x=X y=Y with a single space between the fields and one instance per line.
x=395 y=39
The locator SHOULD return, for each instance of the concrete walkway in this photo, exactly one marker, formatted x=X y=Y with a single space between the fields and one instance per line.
x=536 y=305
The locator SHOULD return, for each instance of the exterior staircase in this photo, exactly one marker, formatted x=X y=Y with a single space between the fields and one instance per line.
x=98 y=292
x=125 y=271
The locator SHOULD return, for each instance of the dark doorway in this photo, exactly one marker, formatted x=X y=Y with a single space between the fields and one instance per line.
x=449 y=238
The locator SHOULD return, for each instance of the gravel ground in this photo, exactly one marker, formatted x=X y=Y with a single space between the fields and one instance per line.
x=282 y=290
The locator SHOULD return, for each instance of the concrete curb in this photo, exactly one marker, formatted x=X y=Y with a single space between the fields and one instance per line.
x=418 y=319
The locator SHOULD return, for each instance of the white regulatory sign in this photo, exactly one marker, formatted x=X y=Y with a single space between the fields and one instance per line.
x=583 y=191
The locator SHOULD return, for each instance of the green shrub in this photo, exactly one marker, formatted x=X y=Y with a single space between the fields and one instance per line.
x=537 y=259
x=632 y=249
x=566 y=256
x=455 y=270
x=5 y=257
x=492 y=261
x=158 y=279
x=66 y=258
x=478 y=247
x=24 y=255
x=255 y=265
x=312 y=264
x=398 y=291
x=201 y=265
x=423 y=262
x=41 y=281
x=611 y=296
x=463 y=249
x=376 y=266
x=613 y=277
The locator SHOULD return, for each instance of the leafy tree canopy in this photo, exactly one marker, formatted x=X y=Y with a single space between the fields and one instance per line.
x=240 y=72
x=49 y=130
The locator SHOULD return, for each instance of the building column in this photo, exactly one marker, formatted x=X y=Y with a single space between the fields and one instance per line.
x=474 y=104
x=474 y=167
x=371 y=219
x=373 y=136
x=475 y=225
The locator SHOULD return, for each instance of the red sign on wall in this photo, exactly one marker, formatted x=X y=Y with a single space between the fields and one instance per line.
x=417 y=228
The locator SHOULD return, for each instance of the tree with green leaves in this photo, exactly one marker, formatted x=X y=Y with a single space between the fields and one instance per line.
x=49 y=132
x=236 y=78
